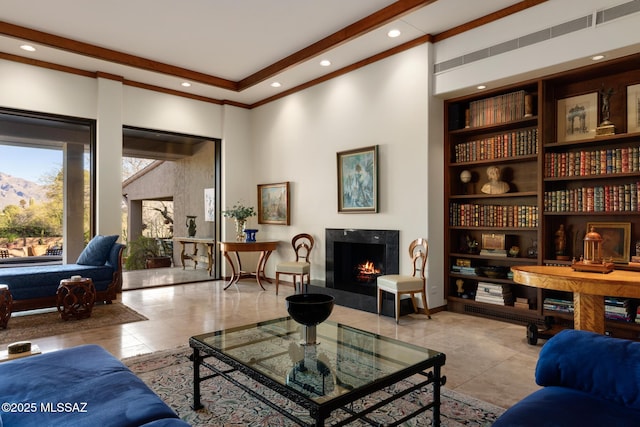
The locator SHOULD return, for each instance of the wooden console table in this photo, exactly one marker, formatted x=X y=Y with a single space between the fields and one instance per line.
x=207 y=242
x=265 y=248
x=589 y=289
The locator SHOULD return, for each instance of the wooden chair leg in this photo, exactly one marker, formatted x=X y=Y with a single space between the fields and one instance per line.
x=426 y=306
x=379 y=301
x=277 y=281
x=397 y=308
x=413 y=302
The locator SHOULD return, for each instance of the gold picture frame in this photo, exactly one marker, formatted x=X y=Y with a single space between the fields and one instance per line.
x=616 y=240
x=358 y=180
x=273 y=203
x=633 y=108
x=577 y=117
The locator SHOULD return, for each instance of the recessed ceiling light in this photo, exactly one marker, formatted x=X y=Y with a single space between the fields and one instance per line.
x=597 y=57
x=393 y=33
x=325 y=62
x=481 y=87
x=28 y=48
x=186 y=84
x=276 y=84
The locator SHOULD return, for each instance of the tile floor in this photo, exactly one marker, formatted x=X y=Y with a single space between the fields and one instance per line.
x=487 y=359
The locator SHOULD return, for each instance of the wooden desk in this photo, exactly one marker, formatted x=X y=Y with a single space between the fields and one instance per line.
x=589 y=289
x=265 y=248
x=208 y=242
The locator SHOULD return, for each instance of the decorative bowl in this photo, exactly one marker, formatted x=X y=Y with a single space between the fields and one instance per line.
x=310 y=309
x=494 y=272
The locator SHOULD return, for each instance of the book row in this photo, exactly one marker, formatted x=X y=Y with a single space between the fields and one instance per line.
x=498 y=109
x=596 y=162
x=509 y=144
x=605 y=198
x=473 y=215
x=614 y=308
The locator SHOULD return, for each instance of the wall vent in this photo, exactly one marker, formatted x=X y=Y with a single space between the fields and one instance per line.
x=584 y=22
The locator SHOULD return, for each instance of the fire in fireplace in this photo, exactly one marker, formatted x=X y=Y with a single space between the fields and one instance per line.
x=355 y=258
x=367 y=272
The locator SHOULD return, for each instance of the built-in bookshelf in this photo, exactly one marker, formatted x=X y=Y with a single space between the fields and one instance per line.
x=500 y=129
x=556 y=180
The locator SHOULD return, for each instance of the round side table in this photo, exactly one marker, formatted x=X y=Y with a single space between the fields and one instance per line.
x=6 y=305
x=75 y=298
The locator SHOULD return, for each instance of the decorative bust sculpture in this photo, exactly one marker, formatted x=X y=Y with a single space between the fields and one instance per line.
x=494 y=186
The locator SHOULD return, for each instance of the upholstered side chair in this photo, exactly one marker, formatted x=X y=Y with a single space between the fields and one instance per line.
x=302 y=246
x=399 y=285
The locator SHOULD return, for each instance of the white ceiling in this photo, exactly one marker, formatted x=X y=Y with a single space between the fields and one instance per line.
x=228 y=39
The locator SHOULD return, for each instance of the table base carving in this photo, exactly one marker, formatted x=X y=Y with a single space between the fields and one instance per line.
x=6 y=305
x=75 y=298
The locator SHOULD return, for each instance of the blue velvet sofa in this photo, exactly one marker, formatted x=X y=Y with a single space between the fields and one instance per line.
x=588 y=379
x=79 y=386
x=35 y=287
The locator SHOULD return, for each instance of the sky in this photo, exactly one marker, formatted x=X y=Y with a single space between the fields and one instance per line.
x=29 y=163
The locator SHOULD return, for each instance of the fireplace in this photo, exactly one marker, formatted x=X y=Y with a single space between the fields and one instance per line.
x=355 y=258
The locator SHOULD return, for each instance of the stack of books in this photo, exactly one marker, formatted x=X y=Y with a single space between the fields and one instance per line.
x=614 y=309
x=471 y=271
x=493 y=293
x=493 y=252
x=561 y=305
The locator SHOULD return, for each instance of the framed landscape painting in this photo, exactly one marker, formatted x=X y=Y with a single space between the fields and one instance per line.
x=577 y=117
x=273 y=203
x=358 y=180
x=616 y=240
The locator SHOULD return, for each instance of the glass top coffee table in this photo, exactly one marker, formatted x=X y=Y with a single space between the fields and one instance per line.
x=346 y=364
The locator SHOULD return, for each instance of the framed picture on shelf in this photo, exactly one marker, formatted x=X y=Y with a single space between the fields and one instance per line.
x=358 y=180
x=633 y=108
x=493 y=241
x=577 y=117
x=273 y=203
x=616 y=239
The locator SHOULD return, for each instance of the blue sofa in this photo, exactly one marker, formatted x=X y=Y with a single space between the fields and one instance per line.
x=79 y=386
x=35 y=287
x=588 y=379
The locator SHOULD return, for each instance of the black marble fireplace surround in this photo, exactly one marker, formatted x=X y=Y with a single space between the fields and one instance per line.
x=347 y=248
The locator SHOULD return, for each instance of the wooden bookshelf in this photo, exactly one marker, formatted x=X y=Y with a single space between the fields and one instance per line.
x=553 y=181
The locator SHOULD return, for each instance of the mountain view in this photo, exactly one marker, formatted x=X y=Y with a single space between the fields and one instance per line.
x=14 y=189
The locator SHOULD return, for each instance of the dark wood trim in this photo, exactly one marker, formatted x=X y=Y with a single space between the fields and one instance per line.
x=371 y=22
x=510 y=10
x=93 y=51
x=44 y=64
x=109 y=76
x=348 y=33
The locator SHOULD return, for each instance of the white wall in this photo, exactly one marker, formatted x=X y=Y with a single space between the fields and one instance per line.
x=296 y=139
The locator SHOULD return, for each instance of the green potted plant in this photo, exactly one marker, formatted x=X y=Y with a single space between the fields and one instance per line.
x=146 y=252
x=239 y=213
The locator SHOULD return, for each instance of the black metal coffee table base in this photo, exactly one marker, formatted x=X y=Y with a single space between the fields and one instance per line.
x=320 y=412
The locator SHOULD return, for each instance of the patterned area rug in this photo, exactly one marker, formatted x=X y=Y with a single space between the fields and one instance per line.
x=169 y=373
x=29 y=325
